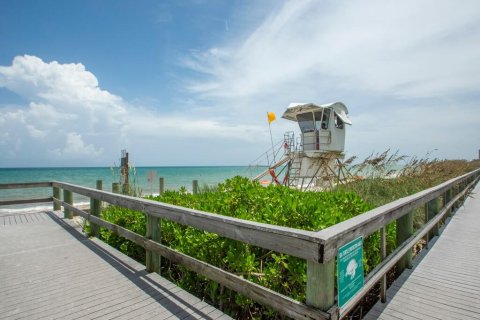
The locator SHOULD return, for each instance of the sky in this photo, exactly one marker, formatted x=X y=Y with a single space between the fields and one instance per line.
x=187 y=83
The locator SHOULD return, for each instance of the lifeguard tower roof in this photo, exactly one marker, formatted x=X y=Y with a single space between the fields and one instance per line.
x=294 y=109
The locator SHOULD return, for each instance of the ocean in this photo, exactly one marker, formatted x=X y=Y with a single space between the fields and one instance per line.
x=174 y=179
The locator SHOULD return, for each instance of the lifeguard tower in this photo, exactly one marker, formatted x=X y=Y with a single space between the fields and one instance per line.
x=315 y=159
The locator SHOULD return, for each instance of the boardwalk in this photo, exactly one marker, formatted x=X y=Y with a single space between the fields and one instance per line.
x=445 y=282
x=48 y=270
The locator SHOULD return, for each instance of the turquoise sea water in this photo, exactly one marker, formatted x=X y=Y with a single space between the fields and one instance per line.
x=175 y=177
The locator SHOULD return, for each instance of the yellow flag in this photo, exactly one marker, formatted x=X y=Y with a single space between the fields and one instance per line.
x=271 y=117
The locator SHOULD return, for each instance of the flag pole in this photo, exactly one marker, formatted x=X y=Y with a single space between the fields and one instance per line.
x=271 y=139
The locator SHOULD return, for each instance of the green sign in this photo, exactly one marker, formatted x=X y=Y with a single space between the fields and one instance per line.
x=349 y=270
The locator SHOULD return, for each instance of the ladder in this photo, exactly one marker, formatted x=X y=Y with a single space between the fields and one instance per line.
x=295 y=168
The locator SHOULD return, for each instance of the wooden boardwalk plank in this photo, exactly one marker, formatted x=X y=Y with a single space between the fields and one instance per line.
x=22 y=218
x=430 y=305
x=432 y=299
x=432 y=293
x=48 y=270
x=84 y=286
x=444 y=283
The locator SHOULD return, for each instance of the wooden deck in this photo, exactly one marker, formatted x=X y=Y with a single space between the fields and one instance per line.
x=445 y=280
x=49 y=270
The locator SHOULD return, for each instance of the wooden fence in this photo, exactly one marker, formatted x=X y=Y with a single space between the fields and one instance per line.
x=319 y=249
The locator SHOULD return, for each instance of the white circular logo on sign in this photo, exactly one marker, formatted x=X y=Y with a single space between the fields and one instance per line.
x=351 y=268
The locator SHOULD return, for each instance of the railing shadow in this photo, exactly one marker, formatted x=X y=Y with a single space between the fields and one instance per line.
x=396 y=286
x=160 y=292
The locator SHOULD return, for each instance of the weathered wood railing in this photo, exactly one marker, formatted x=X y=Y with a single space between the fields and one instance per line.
x=452 y=192
x=319 y=249
x=22 y=186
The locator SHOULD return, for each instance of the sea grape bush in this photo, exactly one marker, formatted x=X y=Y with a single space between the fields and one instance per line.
x=129 y=219
x=241 y=198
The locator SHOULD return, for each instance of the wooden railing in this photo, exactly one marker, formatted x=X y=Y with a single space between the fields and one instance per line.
x=452 y=193
x=22 y=186
x=319 y=249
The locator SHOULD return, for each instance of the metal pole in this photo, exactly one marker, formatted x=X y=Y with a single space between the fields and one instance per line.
x=271 y=139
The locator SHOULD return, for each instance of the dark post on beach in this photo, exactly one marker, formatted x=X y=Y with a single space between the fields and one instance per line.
x=116 y=187
x=195 y=186
x=126 y=189
x=161 y=183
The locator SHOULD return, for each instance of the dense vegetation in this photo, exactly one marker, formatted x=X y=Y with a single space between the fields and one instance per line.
x=244 y=199
x=241 y=198
x=409 y=178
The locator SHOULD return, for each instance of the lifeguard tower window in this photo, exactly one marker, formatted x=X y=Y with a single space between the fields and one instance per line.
x=338 y=122
x=322 y=119
x=305 y=121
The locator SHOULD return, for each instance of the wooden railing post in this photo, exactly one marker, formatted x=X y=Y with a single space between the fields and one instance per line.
x=68 y=198
x=321 y=284
x=115 y=187
x=195 y=186
x=161 y=183
x=456 y=192
x=425 y=213
x=448 y=198
x=433 y=208
x=383 y=252
x=464 y=187
x=153 y=233
x=56 y=195
x=95 y=210
x=404 y=231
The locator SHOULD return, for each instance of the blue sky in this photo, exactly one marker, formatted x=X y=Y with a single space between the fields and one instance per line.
x=190 y=82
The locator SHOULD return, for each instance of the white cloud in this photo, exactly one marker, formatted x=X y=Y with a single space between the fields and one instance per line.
x=65 y=104
x=418 y=129
x=70 y=118
x=76 y=147
x=185 y=126
x=406 y=48
x=402 y=68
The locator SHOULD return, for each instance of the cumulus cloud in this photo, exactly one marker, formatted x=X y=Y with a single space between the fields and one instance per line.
x=66 y=106
x=76 y=147
x=70 y=118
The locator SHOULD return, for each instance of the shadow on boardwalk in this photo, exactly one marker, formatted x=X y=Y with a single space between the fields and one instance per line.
x=443 y=283
x=49 y=269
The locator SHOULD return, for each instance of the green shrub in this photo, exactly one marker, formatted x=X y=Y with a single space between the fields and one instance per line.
x=241 y=198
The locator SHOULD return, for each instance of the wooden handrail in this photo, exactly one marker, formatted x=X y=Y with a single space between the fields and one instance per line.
x=367 y=223
x=23 y=185
x=379 y=271
x=296 y=242
x=25 y=201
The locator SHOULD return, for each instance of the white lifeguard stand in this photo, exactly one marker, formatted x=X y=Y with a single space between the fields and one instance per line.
x=315 y=159
x=322 y=126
